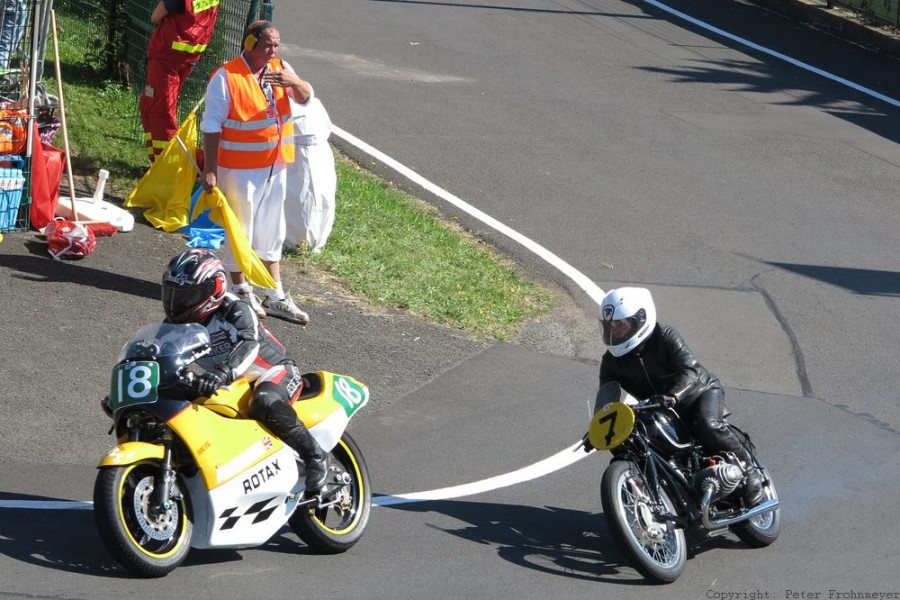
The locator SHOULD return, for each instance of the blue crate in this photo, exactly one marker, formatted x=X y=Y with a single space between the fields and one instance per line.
x=12 y=182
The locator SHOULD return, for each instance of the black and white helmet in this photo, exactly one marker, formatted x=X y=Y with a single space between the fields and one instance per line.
x=627 y=318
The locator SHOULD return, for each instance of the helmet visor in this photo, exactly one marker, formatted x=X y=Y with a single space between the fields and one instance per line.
x=178 y=302
x=618 y=331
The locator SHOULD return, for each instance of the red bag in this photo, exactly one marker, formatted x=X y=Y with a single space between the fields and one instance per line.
x=47 y=166
x=68 y=240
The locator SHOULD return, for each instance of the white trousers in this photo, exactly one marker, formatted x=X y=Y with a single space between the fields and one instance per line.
x=257 y=198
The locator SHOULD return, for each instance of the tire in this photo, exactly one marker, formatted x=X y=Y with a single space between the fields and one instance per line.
x=147 y=546
x=335 y=528
x=658 y=550
x=762 y=530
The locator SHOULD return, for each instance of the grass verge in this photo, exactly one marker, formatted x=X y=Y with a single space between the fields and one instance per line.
x=386 y=246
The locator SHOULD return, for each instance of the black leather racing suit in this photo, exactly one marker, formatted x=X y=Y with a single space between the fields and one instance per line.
x=664 y=364
x=242 y=346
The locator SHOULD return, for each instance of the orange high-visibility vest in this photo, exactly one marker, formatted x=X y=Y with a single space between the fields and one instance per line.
x=254 y=134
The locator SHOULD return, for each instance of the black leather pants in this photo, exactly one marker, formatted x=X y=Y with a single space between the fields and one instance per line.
x=271 y=406
x=704 y=417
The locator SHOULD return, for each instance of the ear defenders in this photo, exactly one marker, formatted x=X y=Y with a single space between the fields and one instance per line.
x=254 y=30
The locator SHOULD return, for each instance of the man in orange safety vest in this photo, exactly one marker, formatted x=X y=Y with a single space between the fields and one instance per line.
x=248 y=141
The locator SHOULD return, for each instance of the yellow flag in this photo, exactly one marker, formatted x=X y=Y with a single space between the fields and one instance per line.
x=165 y=189
x=220 y=213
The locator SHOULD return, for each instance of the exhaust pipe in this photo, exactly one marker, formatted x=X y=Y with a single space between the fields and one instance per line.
x=767 y=506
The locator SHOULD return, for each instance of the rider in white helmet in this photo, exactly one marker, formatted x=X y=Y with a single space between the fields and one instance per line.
x=652 y=360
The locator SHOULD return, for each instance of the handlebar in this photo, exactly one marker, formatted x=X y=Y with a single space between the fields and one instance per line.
x=647 y=405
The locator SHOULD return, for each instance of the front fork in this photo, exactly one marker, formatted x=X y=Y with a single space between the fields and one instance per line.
x=162 y=500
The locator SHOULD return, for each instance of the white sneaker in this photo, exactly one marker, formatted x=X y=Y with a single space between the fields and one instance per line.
x=285 y=309
x=250 y=298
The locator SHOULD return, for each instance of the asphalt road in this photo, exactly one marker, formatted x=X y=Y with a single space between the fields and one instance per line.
x=757 y=201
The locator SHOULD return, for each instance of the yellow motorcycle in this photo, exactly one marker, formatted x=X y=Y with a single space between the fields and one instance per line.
x=199 y=473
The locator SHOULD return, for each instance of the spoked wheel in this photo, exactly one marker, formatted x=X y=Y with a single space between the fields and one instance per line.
x=338 y=524
x=761 y=530
x=658 y=548
x=146 y=541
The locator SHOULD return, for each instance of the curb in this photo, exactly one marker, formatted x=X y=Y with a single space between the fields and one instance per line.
x=818 y=13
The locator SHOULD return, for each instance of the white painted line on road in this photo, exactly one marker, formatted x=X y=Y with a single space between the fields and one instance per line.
x=556 y=462
x=774 y=54
x=47 y=504
x=578 y=277
x=565 y=457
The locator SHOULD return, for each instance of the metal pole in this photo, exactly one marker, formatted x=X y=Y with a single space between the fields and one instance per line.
x=32 y=78
x=42 y=35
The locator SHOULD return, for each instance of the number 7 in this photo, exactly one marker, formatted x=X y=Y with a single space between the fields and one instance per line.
x=611 y=417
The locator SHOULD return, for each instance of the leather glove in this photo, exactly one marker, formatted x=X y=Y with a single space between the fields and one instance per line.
x=664 y=400
x=207 y=383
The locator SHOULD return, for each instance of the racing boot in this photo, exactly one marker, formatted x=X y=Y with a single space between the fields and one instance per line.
x=753 y=482
x=270 y=408
x=314 y=459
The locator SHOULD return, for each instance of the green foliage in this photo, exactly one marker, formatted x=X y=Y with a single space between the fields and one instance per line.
x=101 y=115
x=386 y=246
x=397 y=252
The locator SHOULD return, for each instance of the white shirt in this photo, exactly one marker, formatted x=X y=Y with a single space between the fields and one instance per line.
x=218 y=101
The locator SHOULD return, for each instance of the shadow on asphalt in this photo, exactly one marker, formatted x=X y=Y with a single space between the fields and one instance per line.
x=549 y=539
x=869 y=282
x=64 y=540
x=37 y=267
x=67 y=540
x=759 y=77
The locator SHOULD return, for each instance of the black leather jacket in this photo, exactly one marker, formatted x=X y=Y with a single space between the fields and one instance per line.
x=663 y=364
x=240 y=343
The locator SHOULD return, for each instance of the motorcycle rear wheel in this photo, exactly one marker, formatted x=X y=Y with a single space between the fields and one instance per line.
x=335 y=528
x=764 y=529
x=147 y=543
x=658 y=549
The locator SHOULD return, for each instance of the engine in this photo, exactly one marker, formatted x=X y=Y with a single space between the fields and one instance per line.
x=723 y=477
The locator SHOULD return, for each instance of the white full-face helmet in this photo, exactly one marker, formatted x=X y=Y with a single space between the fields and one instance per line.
x=627 y=318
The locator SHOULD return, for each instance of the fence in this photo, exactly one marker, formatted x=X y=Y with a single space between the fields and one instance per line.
x=886 y=12
x=118 y=32
x=113 y=36
x=23 y=27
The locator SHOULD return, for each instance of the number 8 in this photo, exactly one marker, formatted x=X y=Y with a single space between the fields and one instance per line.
x=139 y=384
x=348 y=391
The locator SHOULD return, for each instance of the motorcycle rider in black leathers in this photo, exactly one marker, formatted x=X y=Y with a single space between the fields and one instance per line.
x=194 y=291
x=651 y=360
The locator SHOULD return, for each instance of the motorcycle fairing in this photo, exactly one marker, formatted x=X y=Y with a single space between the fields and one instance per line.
x=130 y=453
x=336 y=393
x=328 y=431
x=250 y=508
x=326 y=413
x=222 y=447
x=328 y=394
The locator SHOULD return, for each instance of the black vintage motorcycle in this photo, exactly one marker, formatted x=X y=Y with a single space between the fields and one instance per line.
x=662 y=494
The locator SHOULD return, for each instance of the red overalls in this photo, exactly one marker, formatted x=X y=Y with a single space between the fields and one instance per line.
x=172 y=53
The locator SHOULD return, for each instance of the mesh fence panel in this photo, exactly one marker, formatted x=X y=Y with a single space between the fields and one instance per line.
x=116 y=32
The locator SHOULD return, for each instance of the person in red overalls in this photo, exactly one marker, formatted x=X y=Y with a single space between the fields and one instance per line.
x=183 y=29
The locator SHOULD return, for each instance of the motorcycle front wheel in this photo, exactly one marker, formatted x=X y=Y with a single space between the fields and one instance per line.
x=657 y=548
x=340 y=522
x=146 y=541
